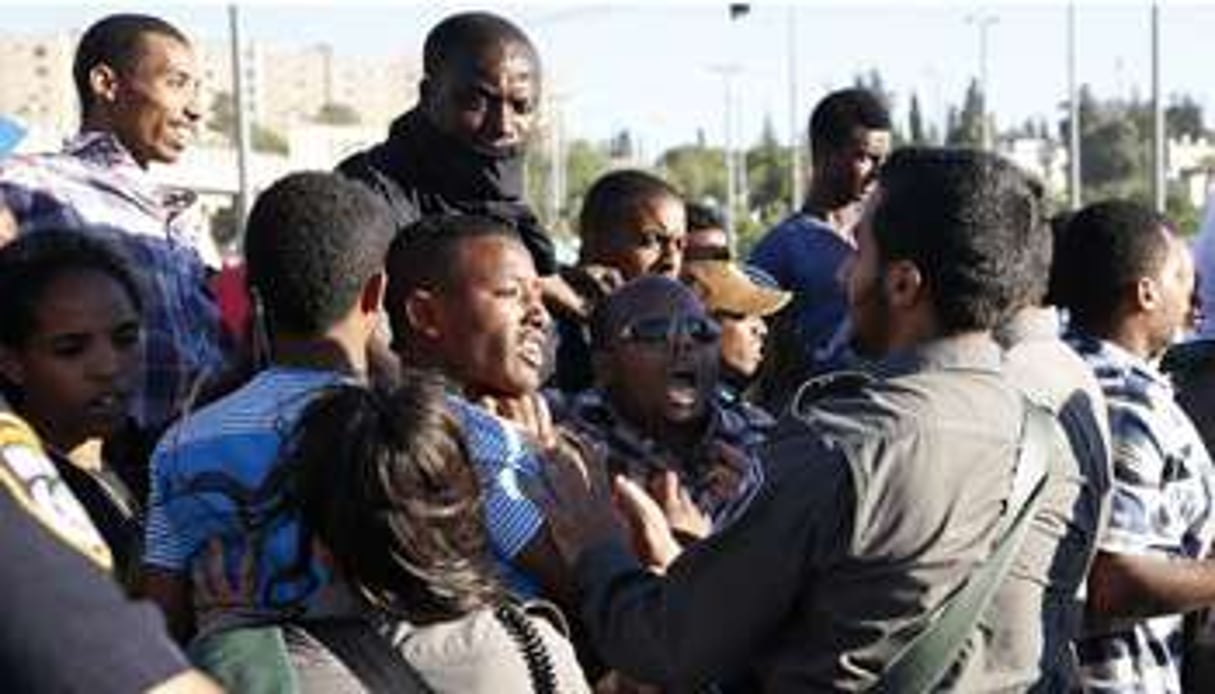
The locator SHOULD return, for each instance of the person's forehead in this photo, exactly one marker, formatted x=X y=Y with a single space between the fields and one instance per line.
x=657 y=210
x=492 y=61
x=163 y=51
x=490 y=257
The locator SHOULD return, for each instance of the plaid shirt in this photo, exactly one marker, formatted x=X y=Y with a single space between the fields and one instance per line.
x=1163 y=506
x=718 y=488
x=96 y=186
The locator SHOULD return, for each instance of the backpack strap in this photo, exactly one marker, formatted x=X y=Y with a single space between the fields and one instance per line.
x=369 y=656
x=921 y=664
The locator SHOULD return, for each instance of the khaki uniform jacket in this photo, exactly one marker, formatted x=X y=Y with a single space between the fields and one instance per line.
x=883 y=493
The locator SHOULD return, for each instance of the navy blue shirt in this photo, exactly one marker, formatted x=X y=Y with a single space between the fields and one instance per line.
x=806 y=256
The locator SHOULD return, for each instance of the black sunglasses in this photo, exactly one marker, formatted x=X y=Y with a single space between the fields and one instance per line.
x=663 y=329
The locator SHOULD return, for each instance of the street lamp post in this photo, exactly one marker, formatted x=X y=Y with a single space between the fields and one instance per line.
x=1073 y=107
x=244 y=197
x=795 y=161
x=1158 y=142
x=984 y=21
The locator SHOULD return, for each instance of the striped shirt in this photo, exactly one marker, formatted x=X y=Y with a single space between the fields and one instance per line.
x=213 y=476
x=95 y=186
x=502 y=459
x=1163 y=506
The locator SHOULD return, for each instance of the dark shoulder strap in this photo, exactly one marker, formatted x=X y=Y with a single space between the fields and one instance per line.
x=922 y=663
x=378 y=666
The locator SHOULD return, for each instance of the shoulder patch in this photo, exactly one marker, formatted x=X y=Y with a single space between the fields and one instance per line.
x=829 y=385
x=32 y=480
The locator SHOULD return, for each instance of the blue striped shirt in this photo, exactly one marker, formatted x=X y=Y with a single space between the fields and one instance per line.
x=1163 y=506
x=213 y=476
x=502 y=458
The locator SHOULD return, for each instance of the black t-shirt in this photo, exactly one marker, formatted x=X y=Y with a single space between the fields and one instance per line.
x=64 y=624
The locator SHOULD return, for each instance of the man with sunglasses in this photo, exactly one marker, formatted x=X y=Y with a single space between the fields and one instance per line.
x=656 y=352
x=884 y=492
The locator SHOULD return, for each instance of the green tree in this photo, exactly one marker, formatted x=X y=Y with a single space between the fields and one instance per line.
x=915 y=123
x=222 y=120
x=964 y=128
x=768 y=176
x=1184 y=117
x=699 y=172
x=334 y=113
x=584 y=162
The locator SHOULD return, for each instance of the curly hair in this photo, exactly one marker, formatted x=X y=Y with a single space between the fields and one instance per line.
x=312 y=242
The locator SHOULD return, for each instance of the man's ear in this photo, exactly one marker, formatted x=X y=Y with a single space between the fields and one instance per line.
x=903 y=284
x=371 y=300
x=103 y=83
x=424 y=312
x=1146 y=294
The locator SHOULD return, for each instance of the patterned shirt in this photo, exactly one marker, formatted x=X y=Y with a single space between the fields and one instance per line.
x=214 y=476
x=1163 y=506
x=716 y=485
x=502 y=458
x=95 y=186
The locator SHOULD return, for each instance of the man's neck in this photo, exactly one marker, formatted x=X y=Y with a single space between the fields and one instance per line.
x=839 y=217
x=332 y=352
x=1129 y=337
x=97 y=124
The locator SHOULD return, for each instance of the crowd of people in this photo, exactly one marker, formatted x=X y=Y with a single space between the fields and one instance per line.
x=921 y=439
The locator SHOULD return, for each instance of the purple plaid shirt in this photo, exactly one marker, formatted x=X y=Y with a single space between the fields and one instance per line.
x=94 y=185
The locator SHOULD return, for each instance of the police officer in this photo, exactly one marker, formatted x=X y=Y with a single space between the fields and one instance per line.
x=886 y=489
x=67 y=626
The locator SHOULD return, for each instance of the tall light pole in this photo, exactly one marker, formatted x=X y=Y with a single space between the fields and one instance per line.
x=736 y=161
x=1158 y=143
x=1073 y=107
x=727 y=73
x=795 y=149
x=244 y=197
x=984 y=21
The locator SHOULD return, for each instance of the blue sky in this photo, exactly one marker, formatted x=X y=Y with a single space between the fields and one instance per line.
x=656 y=68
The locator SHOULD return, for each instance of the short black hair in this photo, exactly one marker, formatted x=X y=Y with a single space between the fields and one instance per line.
x=467 y=33
x=312 y=242
x=1106 y=247
x=117 y=41
x=1058 y=229
x=701 y=216
x=613 y=198
x=423 y=256
x=965 y=218
x=31 y=263
x=840 y=113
